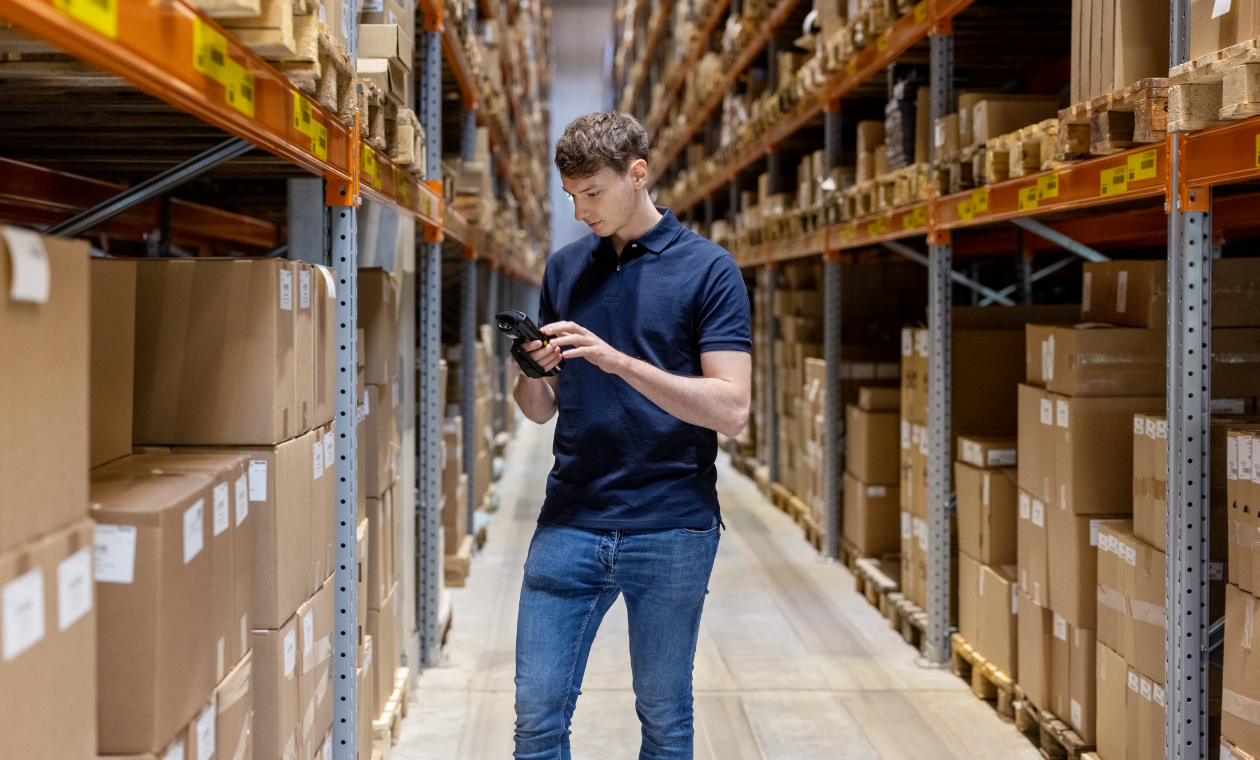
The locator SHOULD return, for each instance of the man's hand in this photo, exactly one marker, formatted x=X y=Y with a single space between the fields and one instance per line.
x=585 y=345
x=546 y=357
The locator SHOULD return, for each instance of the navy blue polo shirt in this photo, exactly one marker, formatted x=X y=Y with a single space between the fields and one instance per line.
x=621 y=461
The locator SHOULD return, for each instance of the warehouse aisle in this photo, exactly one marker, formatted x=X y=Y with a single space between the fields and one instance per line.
x=792 y=664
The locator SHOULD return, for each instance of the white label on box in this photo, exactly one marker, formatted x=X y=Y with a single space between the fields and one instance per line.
x=1229 y=406
x=29 y=269
x=329 y=453
x=1216 y=571
x=242 y=499
x=1157 y=694
x=1220 y=8
x=308 y=632
x=328 y=275
x=304 y=289
x=175 y=753
x=74 y=588
x=1063 y=497
x=905 y=434
x=322 y=18
x=1130 y=555
x=923 y=537
x=923 y=442
x=1122 y=291
x=940 y=135
x=1093 y=532
x=194 y=530
x=905 y=526
x=1025 y=506
x=1076 y=713
x=1047 y=359
x=393 y=18
x=1060 y=627
x=258 y=480
x=873 y=492
x=1150 y=428
x=367 y=409
x=980 y=582
x=389 y=500
x=1139 y=426
x=921 y=343
x=1133 y=682
x=1161 y=428
x=1244 y=457
x=968 y=454
x=205 y=735
x=1231 y=458
x=1086 y=287
x=907 y=342
x=290 y=652
x=286 y=290
x=395 y=393
x=1061 y=413
x=1226 y=753
x=1047 y=412
x=1014 y=598
x=115 y=547
x=318 y=448
x=222 y=508
x=1038 y=513
x=1002 y=457
x=22 y=610
x=984 y=490
x=1146 y=689
x=328 y=755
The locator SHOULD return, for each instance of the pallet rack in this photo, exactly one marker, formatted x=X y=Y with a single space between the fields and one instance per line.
x=1073 y=207
x=162 y=50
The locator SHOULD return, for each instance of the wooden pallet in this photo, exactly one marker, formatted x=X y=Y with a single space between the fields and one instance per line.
x=1214 y=89
x=813 y=532
x=1055 y=738
x=876 y=585
x=910 y=619
x=779 y=495
x=402 y=683
x=458 y=564
x=987 y=682
x=1022 y=152
x=1111 y=123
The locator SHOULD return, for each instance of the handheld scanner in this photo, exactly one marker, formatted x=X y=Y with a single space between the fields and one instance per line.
x=520 y=328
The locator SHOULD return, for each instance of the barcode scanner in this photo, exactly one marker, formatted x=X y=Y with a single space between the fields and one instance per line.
x=520 y=328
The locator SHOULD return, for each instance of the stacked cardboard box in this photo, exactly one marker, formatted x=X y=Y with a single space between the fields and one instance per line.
x=1116 y=43
x=871 y=474
x=798 y=306
x=50 y=615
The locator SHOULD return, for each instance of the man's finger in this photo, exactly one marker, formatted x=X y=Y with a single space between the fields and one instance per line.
x=556 y=328
x=532 y=345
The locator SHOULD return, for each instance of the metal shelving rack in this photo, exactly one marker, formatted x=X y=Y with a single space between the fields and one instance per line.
x=1184 y=170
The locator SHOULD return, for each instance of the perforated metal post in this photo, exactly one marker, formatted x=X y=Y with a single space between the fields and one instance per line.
x=940 y=292
x=345 y=259
x=429 y=561
x=492 y=350
x=772 y=391
x=833 y=425
x=468 y=378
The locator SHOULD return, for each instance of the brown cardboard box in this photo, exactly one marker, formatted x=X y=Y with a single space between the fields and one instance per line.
x=1130 y=293
x=455 y=515
x=870 y=516
x=1113 y=704
x=378 y=299
x=1150 y=721
x=1092 y=360
x=275 y=674
x=992 y=118
x=1073 y=676
x=1035 y=623
x=1032 y=544
x=365 y=705
x=381 y=626
x=203 y=732
x=1235 y=362
x=945 y=135
x=988 y=507
x=1115 y=625
x=1241 y=685
x=385 y=41
x=45 y=401
x=879 y=399
x=48 y=660
x=234 y=701
x=1239 y=23
x=1150 y=479
x=871 y=445
x=1094 y=452
x=323 y=504
x=304 y=345
x=364 y=559
x=870 y=135
x=380 y=555
x=239 y=386
x=113 y=351
x=159 y=642
x=315 y=698
x=324 y=344
x=382 y=431
x=1037 y=442
x=1039 y=354
x=1074 y=571
x=985 y=451
x=969 y=571
x=996 y=616
x=1235 y=292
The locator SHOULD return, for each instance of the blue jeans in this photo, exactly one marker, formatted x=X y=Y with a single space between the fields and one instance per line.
x=572 y=578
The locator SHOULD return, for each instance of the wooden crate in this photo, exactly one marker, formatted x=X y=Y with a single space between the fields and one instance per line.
x=457 y=565
x=987 y=682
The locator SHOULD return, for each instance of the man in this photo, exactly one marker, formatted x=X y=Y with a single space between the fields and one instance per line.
x=653 y=321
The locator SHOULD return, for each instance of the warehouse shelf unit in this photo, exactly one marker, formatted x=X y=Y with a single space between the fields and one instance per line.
x=1151 y=195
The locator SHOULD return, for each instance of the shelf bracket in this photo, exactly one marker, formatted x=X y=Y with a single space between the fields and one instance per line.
x=1059 y=239
x=989 y=293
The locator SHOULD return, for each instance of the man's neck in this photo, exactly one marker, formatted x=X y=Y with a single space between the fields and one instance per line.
x=644 y=219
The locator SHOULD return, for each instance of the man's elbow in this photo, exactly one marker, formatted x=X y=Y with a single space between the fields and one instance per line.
x=736 y=420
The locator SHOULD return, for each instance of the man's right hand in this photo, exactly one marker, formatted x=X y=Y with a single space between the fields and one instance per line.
x=546 y=357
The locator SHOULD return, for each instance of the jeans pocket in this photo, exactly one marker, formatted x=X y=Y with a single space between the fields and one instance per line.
x=698 y=532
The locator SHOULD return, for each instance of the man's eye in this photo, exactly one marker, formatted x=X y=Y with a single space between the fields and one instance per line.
x=591 y=195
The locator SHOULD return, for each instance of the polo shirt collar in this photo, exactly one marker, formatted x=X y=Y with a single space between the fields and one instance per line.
x=656 y=239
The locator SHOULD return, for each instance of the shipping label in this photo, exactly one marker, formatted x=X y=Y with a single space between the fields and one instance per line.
x=115 y=550
x=74 y=588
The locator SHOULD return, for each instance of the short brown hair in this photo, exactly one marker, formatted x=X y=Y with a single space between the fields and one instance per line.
x=598 y=140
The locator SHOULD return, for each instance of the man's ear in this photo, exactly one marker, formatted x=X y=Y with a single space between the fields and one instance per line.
x=639 y=173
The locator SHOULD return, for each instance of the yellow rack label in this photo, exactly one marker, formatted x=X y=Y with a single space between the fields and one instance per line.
x=210 y=51
x=850 y=68
x=1142 y=165
x=239 y=88
x=914 y=218
x=877 y=227
x=404 y=187
x=1114 y=181
x=1027 y=198
x=980 y=201
x=99 y=15
x=1257 y=150
x=370 y=167
x=921 y=12
x=1047 y=186
x=881 y=43
x=319 y=142
x=302 y=120
x=848 y=233
x=966 y=209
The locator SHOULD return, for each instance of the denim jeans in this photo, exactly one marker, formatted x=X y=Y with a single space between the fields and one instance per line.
x=572 y=578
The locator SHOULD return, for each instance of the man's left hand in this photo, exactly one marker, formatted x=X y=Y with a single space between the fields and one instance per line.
x=584 y=344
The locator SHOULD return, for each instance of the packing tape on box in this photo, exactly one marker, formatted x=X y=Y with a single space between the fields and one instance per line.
x=1110 y=597
x=1243 y=708
x=323 y=649
x=243 y=743
x=308 y=719
x=290 y=749
x=236 y=690
x=1151 y=614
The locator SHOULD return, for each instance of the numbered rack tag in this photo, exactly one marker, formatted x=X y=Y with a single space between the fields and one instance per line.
x=99 y=15
x=210 y=57
x=966 y=209
x=239 y=88
x=877 y=227
x=881 y=43
x=1028 y=198
x=404 y=186
x=1142 y=166
x=305 y=123
x=1047 y=187
x=921 y=12
x=914 y=218
x=370 y=168
x=850 y=68
x=980 y=201
x=1114 y=181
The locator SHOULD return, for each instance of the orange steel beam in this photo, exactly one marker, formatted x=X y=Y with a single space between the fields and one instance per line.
x=457 y=57
x=674 y=83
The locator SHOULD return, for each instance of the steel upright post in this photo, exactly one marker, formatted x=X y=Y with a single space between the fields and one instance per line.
x=428 y=559
x=833 y=439
x=940 y=300
x=468 y=333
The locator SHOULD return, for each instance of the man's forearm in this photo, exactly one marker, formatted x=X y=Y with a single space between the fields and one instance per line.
x=536 y=398
x=709 y=402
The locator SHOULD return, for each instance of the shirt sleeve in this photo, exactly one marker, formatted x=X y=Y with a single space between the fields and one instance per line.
x=546 y=313
x=723 y=322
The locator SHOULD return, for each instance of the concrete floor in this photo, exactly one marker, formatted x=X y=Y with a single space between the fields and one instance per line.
x=792 y=664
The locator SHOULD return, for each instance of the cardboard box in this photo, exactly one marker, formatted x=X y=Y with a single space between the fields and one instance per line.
x=945 y=135
x=275 y=674
x=382 y=433
x=879 y=399
x=378 y=302
x=381 y=625
x=1035 y=626
x=323 y=504
x=385 y=41
x=361 y=533
x=45 y=401
x=113 y=352
x=315 y=689
x=1073 y=677
x=1240 y=23
x=988 y=506
x=1093 y=468
x=159 y=644
x=392 y=79
x=969 y=571
x=455 y=515
x=871 y=445
x=992 y=118
x=1241 y=685
x=986 y=451
x=239 y=386
x=1093 y=360
x=1074 y=571
x=365 y=705
x=1235 y=362
x=1135 y=293
x=1037 y=442
x=1039 y=354
x=870 y=135
x=234 y=701
x=304 y=345
x=390 y=13
x=1033 y=549
x=1151 y=718
x=203 y=732
x=380 y=554
x=997 y=617
x=48 y=657
x=324 y=344
x=870 y=516
x=1113 y=704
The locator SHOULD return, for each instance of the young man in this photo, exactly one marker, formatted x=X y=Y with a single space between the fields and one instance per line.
x=653 y=321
